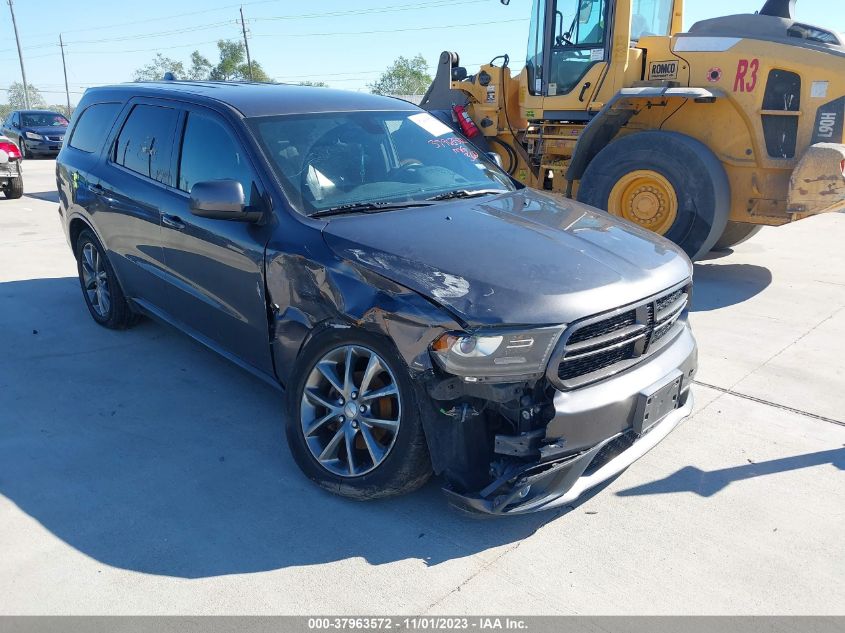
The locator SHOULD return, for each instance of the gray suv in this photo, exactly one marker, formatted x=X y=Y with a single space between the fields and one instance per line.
x=420 y=310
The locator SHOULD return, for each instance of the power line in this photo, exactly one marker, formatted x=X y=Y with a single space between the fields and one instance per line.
x=292 y=35
x=383 y=9
x=386 y=9
x=161 y=17
x=419 y=28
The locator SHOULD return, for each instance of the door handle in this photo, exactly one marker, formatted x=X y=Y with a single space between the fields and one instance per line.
x=172 y=221
x=584 y=89
x=101 y=191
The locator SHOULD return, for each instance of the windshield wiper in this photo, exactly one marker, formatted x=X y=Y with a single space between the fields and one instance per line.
x=368 y=207
x=465 y=193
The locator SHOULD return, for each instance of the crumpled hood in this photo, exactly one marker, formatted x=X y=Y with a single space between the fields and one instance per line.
x=526 y=257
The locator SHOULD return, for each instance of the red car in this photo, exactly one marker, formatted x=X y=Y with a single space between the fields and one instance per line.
x=11 y=176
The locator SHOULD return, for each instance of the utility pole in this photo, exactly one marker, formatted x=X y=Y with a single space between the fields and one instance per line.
x=20 y=56
x=64 y=68
x=246 y=43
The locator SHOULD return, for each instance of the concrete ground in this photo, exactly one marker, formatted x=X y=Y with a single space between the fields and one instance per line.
x=140 y=473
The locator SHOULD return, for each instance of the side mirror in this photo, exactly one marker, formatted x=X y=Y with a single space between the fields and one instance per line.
x=494 y=156
x=221 y=200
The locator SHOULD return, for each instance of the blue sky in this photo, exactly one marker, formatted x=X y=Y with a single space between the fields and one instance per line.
x=346 y=44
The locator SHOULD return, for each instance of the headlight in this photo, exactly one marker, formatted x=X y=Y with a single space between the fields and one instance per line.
x=34 y=137
x=496 y=353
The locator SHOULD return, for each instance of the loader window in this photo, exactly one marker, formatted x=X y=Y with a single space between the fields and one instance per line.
x=578 y=43
x=534 y=57
x=650 y=17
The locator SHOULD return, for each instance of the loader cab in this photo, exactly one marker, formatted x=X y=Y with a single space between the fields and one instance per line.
x=577 y=46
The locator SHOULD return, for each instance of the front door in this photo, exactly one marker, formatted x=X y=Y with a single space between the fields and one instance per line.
x=579 y=50
x=215 y=268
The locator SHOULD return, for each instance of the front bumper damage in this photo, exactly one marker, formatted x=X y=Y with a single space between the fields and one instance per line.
x=590 y=438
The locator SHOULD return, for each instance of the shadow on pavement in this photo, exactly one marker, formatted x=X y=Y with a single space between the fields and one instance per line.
x=721 y=285
x=48 y=196
x=147 y=452
x=708 y=483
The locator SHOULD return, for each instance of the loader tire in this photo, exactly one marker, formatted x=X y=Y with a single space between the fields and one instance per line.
x=665 y=182
x=736 y=233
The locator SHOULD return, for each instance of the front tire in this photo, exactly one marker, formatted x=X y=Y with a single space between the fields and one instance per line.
x=100 y=286
x=353 y=423
x=24 y=152
x=667 y=182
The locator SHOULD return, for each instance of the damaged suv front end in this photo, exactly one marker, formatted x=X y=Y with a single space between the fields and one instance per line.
x=609 y=388
x=525 y=347
x=568 y=360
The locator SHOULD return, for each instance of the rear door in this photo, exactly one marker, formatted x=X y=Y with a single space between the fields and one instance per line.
x=134 y=186
x=215 y=268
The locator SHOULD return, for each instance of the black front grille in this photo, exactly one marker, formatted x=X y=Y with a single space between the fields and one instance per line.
x=588 y=364
x=599 y=347
x=613 y=324
x=613 y=449
x=667 y=300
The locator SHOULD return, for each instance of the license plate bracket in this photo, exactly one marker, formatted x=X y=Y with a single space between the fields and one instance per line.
x=657 y=401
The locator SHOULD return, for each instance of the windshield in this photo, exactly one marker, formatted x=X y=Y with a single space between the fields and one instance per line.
x=43 y=119
x=650 y=17
x=335 y=159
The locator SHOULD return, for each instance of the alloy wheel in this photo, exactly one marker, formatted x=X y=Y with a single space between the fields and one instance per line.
x=350 y=410
x=95 y=280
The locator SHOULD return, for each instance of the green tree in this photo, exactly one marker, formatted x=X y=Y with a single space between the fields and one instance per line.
x=316 y=84
x=233 y=66
x=200 y=67
x=155 y=70
x=16 y=97
x=404 y=77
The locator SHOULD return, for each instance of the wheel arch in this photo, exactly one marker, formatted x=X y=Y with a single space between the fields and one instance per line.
x=76 y=225
x=609 y=121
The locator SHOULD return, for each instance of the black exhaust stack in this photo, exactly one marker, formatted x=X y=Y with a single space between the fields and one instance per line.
x=779 y=9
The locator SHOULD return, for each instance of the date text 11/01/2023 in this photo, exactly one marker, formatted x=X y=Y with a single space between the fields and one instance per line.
x=424 y=623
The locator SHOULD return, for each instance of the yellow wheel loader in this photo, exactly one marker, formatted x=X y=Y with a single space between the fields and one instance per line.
x=702 y=136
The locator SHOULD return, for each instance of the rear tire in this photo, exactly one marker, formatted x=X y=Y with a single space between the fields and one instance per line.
x=100 y=287
x=696 y=187
x=14 y=189
x=736 y=233
x=396 y=463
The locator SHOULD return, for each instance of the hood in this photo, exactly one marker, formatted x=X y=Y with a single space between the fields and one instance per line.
x=525 y=257
x=46 y=130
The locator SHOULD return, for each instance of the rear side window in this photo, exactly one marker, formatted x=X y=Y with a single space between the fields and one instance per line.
x=93 y=126
x=210 y=153
x=144 y=144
